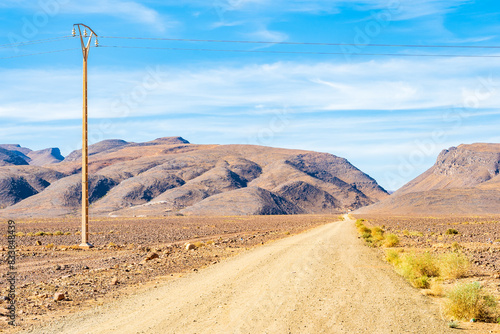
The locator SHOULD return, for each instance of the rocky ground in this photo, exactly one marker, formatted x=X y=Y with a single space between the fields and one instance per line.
x=127 y=253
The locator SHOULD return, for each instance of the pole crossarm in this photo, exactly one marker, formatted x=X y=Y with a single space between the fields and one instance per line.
x=85 y=47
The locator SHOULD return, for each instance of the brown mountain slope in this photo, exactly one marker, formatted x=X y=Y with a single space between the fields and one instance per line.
x=45 y=157
x=464 y=180
x=20 y=182
x=12 y=158
x=171 y=176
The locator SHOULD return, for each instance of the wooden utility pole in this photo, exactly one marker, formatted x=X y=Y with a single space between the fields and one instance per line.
x=85 y=162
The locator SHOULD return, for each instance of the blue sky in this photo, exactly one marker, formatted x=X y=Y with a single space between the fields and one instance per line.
x=389 y=115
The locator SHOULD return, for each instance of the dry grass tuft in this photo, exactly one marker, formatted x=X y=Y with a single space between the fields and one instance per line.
x=453 y=265
x=468 y=301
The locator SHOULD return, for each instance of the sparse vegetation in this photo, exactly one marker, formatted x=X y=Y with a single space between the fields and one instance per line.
x=453 y=265
x=375 y=236
x=391 y=240
x=468 y=301
x=451 y=231
x=418 y=268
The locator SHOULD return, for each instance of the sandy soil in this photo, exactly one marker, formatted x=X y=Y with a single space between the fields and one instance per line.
x=321 y=281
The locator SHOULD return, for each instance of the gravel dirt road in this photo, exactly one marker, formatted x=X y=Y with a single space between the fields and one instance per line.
x=321 y=281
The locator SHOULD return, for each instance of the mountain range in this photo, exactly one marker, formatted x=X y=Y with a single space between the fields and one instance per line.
x=170 y=176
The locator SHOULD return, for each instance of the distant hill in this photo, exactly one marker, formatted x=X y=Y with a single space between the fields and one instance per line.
x=169 y=176
x=15 y=155
x=45 y=157
x=464 y=180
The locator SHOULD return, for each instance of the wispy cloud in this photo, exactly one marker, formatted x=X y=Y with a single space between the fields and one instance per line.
x=221 y=90
x=130 y=11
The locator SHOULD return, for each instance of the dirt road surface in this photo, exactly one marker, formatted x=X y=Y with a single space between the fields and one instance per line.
x=321 y=281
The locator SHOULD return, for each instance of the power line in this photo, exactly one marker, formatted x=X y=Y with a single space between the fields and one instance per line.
x=303 y=52
x=306 y=43
x=39 y=41
x=39 y=53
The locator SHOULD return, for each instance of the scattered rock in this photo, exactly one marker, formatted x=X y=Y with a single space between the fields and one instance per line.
x=496 y=275
x=38 y=243
x=57 y=267
x=150 y=257
x=114 y=281
x=59 y=296
x=190 y=246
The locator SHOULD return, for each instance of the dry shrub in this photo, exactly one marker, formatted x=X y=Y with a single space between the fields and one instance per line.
x=393 y=256
x=416 y=268
x=436 y=288
x=468 y=301
x=453 y=265
x=391 y=240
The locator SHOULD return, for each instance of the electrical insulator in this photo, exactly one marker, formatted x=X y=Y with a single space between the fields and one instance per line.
x=73 y=32
x=85 y=33
x=96 y=42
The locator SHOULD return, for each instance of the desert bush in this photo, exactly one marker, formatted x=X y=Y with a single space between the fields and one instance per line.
x=469 y=301
x=363 y=229
x=453 y=265
x=377 y=233
x=19 y=234
x=391 y=240
x=50 y=246
x=58 y=233
x=436 y=288
x=40 y=233
x=451 y=231
x=416 y=268
x=393 y=256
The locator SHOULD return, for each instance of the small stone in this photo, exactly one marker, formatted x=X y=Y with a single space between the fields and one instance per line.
x=57 y=267
x=114 y=281
x=38 y=243
x=190 y=246
x=152 y=256
x=59 y=296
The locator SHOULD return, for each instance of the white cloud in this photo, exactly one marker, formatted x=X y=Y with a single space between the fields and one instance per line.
x=413 y=84
x=128 y=10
